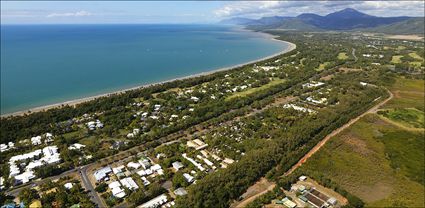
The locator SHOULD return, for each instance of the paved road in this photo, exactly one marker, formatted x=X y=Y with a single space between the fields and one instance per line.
x=15 y=191
x=354 y=55
x=89 y=187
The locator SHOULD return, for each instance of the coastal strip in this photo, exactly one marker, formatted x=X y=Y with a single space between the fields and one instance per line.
x=291 y=47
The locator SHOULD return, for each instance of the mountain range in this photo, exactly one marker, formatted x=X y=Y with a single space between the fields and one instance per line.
x=344 y=20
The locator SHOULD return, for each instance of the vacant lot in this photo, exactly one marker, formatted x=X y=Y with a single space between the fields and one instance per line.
x=409 y=117
x=254 y=90
x=415 y=56
x=407 y=94
x=396 y=59
x=323 y=66
x=376 y=161
x=342 y=56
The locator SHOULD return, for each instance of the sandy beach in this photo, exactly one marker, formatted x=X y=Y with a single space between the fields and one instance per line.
x=74 y=102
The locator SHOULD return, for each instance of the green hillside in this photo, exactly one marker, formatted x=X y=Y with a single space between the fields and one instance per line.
x=410 y=26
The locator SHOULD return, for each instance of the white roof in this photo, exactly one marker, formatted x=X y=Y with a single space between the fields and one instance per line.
x=114 y=184
x=129 y=183
x=76 y=146
x=26 y=176
x=188 y=177
x=177 y=165
x=133 y=165
x=155 y=202
x=68 y=185
x=118 y=169
x=156 y=167
x=101 y=173
x=118 y=192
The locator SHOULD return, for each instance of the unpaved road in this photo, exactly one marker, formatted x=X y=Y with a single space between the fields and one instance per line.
x=337 y=131
x=263 y=186
x=316 y=148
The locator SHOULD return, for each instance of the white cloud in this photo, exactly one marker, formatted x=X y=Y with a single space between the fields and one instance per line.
x=81 y=13
x=256 y=9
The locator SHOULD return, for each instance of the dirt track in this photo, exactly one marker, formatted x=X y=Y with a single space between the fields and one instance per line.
x=316 y=148
x=337 y=131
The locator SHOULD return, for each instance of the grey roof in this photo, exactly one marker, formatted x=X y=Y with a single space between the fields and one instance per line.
x=180 y=191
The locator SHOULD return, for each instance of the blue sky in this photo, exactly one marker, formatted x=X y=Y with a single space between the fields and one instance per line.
x=57 y=12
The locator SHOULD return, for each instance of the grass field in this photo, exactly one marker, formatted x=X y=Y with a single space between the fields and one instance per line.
x=396 y=59
x=401 y=48
x=416 y=63
x=407 y=94
x=415 y=56
x=254 y=90
x=376 y=160
x=322 y=66
x=342 y=56
x=409 y=117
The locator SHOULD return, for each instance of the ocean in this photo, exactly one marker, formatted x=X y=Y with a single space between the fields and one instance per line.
x=48 y=64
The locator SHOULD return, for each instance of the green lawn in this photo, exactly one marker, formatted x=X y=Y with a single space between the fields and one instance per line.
x=409 y=117
x=408 y=93
x=396 y=59
x=342 y=56
x=254 y=90
x=415 y=56
x=376 y=161
x=322 y=66
x=416 y=63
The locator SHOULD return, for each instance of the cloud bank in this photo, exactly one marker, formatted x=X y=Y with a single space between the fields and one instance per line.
x=70 y=14
x=257 y=9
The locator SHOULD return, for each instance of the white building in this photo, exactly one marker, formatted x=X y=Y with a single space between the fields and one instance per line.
x=68 y=185
x=133 y=165
x=177 y=165
x=36 y=140
x=102 y=173
x=40 y=157
x=155 y=202
x=76 y=146
x=129 y=183
x=116 y=189
x=188 y=177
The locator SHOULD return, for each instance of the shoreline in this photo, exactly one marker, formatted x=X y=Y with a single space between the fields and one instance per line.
x=74 y=102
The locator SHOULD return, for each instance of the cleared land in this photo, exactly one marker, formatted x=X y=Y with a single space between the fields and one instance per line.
x=375 y=161
x=415 y=56
x=256 y=89
x=323 y=66
x=407 y=94
x=342 y=56
x=409 y=117
x=405 y=37
x=396 y=59
x=378 y=161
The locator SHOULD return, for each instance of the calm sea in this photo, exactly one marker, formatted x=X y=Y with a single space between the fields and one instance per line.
x=47 y=64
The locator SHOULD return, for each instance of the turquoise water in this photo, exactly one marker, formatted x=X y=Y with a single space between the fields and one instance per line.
x=47 y=64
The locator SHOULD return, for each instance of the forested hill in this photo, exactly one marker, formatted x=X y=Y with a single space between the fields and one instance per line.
x=344 y=20
x=410 y=26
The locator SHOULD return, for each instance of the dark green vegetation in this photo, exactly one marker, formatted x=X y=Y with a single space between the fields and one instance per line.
x=54 y=194
x=410 y=117
x=414 y=25
x=380 y=162
x=240 y=115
